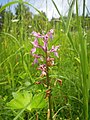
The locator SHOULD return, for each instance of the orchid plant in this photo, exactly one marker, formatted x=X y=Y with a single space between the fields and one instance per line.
x=45 y=58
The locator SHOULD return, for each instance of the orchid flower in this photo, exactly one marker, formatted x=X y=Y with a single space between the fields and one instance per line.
x=43 y=74
x=50 y=61
x=43 y=69
x=33 y=50
x=50 y=33
x=35 y=43
x=46 y=37
x=37 y=35
x=44 y=47
x=36 y=57
x=54 y=50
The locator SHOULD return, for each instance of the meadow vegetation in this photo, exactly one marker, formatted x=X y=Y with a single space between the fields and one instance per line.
x=25 y=93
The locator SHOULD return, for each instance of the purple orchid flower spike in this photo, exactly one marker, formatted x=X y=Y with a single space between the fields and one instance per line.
x=46 y=59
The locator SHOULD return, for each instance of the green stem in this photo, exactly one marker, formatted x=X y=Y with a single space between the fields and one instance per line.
x=48 y=86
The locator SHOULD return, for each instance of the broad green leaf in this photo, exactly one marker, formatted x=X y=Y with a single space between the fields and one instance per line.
x=20 y=100
x=14 y=104
x=38 y=101
x=25 y=99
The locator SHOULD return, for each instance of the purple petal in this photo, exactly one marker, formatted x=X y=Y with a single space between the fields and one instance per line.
x=33 y=50
x=45 y=46
x=35 y=43
x=42 y=67
x=36 y=56
x=35 y=61
x=43 y=74
x=38 y=35
x=52 y=31
x=56 y=54
x=45 y=37
x=54 y=48
x=51 y=36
